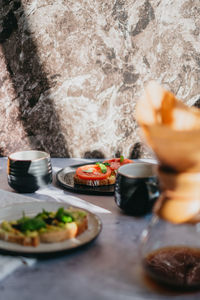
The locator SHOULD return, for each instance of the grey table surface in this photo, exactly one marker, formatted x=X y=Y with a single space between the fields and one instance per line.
x=108 y=268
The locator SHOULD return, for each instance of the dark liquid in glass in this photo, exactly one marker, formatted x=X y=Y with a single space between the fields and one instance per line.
x=177 y=267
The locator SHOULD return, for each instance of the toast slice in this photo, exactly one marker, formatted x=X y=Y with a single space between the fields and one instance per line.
x=100 y=173
x=46 y=227
x=107 y=181
x=54 y=233
x=9 y=234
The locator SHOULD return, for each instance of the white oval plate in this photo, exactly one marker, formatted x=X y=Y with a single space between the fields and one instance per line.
x=15 y=211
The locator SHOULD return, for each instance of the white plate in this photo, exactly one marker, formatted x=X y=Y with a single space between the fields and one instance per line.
x=15 y=211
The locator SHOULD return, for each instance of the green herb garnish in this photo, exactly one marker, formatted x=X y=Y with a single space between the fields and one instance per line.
x=41 y=220
x=121 y=158
x=64 y=216
x=44 y=214
x=102 y=167
x=106 y=164
x=30 y=224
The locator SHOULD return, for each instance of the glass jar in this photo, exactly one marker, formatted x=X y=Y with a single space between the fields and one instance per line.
x=171 y=253
x=171 y=250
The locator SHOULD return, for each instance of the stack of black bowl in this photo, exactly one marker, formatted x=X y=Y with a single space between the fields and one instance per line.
x=29 y=170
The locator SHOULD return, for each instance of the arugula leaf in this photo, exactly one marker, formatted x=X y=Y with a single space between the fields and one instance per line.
x=44 y=214
x=23 y=219
x=30 y=224
x=106 y=164
x=121 y=158
x=41 y=220
x=102 y=167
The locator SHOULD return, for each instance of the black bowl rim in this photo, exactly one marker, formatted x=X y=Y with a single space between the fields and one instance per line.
x=46 y=156
x=136 y=177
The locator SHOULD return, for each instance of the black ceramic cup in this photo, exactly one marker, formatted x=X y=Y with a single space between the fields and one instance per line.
x=136 y=188
x=29 y=170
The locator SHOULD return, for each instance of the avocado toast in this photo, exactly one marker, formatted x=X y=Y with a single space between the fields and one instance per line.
x=45 y=227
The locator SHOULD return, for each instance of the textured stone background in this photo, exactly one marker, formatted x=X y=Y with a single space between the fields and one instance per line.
x=72 y=71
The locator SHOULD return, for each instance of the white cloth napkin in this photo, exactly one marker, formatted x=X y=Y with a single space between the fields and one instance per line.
x=9 y=264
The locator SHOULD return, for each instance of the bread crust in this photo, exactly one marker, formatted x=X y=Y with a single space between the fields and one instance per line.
x=107 y=181
x=82 y=226
x=19 y=239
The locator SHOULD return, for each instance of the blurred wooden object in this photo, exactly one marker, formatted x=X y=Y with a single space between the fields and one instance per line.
x=172 y=130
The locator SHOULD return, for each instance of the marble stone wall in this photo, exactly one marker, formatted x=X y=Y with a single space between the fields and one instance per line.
x=71 y=71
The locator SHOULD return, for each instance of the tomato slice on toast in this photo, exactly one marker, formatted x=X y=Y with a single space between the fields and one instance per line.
x=92 y=172
x=115 y=163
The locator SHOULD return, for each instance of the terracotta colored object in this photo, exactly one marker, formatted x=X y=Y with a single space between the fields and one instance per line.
x=172 y=130
x=180 y=198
